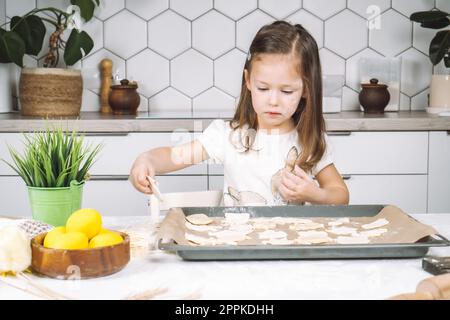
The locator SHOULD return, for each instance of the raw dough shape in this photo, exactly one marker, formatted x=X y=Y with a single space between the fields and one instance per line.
x=313 y=240
x=313 y=237
x=200 y=240
x=302 y=221
x=242 y=228
x=200 y=228
x=229 y=236
x=312 y=234
x=199 y=219
x=236 y=218
x=264 y=225
x=231 y=243
x=376 y=224
x=271 y=234
x=342 y=230
x=281 y=241
x=359 y=239
x=374 y=232
x=307 y=226
x=338 y=222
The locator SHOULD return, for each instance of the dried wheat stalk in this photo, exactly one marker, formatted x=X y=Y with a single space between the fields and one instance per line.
x=148 y=294
x=39 y=295
x=50 y=293
x=38 y=290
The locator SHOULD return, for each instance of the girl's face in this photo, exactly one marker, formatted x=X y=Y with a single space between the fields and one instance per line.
x=276 y=88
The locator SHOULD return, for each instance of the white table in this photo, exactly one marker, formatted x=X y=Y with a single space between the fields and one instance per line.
x=325 y=279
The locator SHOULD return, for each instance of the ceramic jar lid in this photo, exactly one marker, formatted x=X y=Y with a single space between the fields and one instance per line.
x=374 y=84
x=125 y=84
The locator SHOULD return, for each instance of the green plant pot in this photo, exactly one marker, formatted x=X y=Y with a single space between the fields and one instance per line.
x=55 y=205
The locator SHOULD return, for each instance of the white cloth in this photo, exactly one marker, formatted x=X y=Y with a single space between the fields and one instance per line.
x=250 y=173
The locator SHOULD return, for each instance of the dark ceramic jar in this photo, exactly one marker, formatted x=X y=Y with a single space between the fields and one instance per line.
x=124 y=98
x=374 y=97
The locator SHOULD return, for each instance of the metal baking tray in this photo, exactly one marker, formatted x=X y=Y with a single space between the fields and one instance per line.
x=281 y=252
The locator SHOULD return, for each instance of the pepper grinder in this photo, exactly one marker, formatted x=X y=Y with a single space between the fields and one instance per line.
x=106 y=74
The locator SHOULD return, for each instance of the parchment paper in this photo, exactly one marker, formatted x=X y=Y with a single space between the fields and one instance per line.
x=401 y=228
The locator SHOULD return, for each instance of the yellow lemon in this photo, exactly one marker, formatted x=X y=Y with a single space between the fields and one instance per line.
x=88 y=221
x=103 y=230
x=50 y=236
x=105 y=239
x=70 y=241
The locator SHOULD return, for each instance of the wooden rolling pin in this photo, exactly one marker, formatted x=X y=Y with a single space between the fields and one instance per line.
x=106 y=74
x=434 y=288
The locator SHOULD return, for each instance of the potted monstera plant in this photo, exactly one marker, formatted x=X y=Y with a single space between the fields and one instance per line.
x=439 y=50
x=49 y=91
x=54 y=166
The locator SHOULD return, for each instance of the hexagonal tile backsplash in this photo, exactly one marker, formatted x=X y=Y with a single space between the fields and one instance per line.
x=187 y=55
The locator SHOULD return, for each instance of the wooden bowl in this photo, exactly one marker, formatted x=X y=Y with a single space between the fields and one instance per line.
x=79 y=264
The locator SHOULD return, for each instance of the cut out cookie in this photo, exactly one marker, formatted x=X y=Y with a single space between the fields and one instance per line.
x=236 y=218
x=338 y=222
x=282 y=241
x=376 y=224
x=307 y=226
x=229 y=236
x=226 y=242
x=200 y=228
x=342 y=230
x=312 y=234
x=313 y=240
x=352 y=240
x=200 y=240
x=374 y=232
x=264 y=225
x=199 y=219
x=270 y=234
x=242 y=228
x=313 y=237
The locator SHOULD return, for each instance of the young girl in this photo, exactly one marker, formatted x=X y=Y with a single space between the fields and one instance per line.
x=276 y=140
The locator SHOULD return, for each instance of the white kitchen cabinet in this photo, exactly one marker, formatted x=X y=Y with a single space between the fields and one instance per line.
x=14 y=200
x=110 y=196
x=408 y=192
x=109 y=190
x=118 y=153
x=374 y=153
x=215 y=182
x=384 y=168
x=380 y=152
x=14 y=140
x=119 y=198
x=439 y=172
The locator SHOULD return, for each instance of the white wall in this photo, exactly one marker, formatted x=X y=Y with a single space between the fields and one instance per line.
x=2 y=11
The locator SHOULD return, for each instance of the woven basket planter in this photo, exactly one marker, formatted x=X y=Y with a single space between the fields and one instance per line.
x=49 y=92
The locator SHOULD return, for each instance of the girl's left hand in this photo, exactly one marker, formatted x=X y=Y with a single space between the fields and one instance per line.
x=297 y=186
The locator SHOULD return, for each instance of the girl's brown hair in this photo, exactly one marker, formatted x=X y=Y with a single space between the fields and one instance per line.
x=282 y=37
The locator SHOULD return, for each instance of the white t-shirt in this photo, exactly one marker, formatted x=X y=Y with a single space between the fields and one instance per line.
x=248 y=175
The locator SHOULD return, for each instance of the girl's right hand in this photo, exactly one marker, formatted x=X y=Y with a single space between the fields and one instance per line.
x=142 y=167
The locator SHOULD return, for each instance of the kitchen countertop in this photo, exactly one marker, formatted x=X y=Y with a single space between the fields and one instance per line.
x=169 y=121
x=308 y=279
